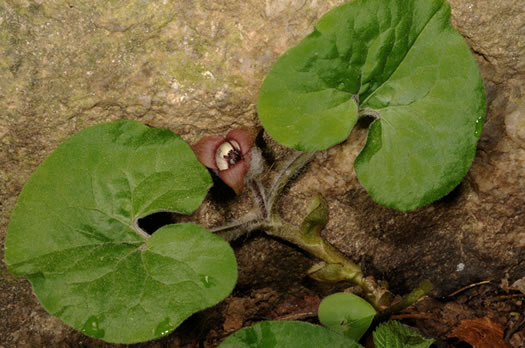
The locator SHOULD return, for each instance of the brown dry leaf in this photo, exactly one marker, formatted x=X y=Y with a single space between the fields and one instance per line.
x=234 y=314
x=480 y=333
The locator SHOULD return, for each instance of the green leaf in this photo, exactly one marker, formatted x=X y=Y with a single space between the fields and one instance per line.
x=346 y=313
x=401 y=62
x=287 y=334
x=74 y=234
x=393 y=334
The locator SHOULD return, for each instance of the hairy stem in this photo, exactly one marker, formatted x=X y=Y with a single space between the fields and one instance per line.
x=265 y=202
x=259 y=196
x=289 y=170
x=234 y=230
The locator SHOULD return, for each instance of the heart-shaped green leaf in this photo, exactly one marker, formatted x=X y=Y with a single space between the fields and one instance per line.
x=401 y=62
x=287 y=334
x=74 y=234
x=346 y=313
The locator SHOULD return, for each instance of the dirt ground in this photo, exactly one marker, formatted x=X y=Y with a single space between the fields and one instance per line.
x=434 y=317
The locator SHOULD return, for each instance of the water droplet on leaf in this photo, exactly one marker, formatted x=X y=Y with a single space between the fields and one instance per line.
x=479 y=126
x=164 y=328
x=208 y=281
x=92 y=327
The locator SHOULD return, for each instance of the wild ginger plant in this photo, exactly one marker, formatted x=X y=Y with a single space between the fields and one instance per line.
x=75 y=234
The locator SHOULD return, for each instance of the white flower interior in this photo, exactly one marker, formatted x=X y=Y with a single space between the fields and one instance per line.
x=235 y=145
x=222 y=154
x=227 y=154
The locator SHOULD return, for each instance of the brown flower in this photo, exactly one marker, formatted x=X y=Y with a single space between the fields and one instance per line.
x=229 y=157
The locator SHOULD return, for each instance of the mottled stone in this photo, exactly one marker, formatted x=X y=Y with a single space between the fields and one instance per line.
x=494 y=30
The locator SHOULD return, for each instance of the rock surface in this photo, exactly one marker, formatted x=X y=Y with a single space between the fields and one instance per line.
x=195 y=67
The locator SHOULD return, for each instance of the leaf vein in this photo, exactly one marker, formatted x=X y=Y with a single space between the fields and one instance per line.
x=405 y=55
